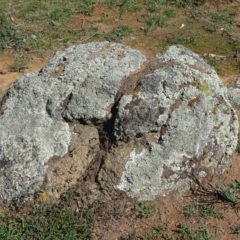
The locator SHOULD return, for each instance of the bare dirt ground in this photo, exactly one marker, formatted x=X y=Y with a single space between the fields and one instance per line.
x=117 y=220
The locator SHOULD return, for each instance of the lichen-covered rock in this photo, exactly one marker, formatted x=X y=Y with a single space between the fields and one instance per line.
x=180 y=124
x=168 y=118
x=79 y=83
x=183 y=55
x=96 y=73
x=29 y=138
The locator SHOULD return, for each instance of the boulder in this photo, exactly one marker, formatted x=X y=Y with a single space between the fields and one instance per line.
x=80 y=84
x=154 y=122
x=176 y=125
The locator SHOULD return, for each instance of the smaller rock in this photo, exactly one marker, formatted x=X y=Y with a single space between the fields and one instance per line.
x=175 y=124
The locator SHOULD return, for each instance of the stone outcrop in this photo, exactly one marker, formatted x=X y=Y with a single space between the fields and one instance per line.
x=79 y=83
x=166 y=119
x=179 y=123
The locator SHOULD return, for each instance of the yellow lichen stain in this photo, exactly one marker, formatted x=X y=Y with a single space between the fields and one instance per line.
x=203 y=88
x=42 y=197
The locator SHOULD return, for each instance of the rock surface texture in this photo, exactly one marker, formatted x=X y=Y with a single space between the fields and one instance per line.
x=162 y=120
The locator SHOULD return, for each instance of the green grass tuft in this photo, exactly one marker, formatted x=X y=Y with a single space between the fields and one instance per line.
x=187 y=3
x=190 y=234
x=202 y=211
x=86 y=7
x=145 y=210
x=60 y=14
x=124 y=5
x=9 y=35
x=47 y=223
x=154 y=5
x=237 y=229
x=154 y=21
x=156 y=231
x=119 y=32
x=182 y=38
x=159 y=20
x=225 y=16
